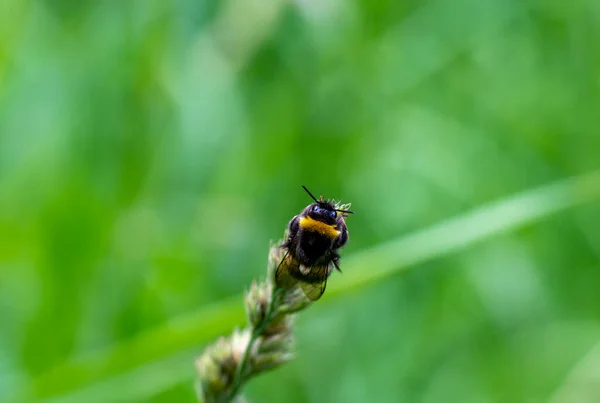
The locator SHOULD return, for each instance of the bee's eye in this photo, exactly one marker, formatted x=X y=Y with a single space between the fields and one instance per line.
x=316 y=209
x=332 y=214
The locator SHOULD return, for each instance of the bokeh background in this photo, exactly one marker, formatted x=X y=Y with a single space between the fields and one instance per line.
x=151 y=150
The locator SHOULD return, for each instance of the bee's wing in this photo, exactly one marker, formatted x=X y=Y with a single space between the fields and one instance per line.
x=315 y=278
x=283 y=278
x=314 y=288
x=313 y=291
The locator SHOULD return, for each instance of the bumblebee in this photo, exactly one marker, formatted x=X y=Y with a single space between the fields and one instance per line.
x=311 y=246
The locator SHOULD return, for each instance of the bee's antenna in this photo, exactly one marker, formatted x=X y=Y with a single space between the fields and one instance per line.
x=345 y=211
x=311 y=195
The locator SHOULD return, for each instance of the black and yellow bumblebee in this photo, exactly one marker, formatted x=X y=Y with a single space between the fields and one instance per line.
x=311 y=246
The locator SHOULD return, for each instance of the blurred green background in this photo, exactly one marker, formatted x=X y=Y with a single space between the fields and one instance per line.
x=150 y=150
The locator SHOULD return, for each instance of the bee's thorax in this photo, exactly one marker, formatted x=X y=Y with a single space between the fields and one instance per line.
x=308 y=223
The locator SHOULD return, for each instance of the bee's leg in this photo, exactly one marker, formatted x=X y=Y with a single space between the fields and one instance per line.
x=293 y=228
x=342 y=238
x=302 y=257
x=303 y=260
x=335 y=258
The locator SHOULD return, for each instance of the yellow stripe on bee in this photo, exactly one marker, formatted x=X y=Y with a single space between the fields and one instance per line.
x=310 y=224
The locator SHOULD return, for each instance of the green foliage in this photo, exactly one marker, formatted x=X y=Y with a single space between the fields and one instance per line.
x=149 y=151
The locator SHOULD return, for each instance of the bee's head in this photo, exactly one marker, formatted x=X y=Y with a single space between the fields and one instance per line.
x=323 y=210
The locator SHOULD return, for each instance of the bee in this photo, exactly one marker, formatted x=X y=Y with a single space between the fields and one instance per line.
x=311 y=247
